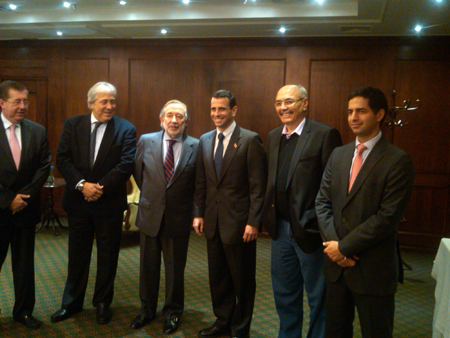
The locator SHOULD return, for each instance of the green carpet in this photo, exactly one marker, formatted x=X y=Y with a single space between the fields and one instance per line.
x=414 y=301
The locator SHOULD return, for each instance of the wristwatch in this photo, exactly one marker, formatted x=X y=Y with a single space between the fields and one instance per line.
x=80 y=186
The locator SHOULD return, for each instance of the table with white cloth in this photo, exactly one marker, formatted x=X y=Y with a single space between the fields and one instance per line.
x=441 y=272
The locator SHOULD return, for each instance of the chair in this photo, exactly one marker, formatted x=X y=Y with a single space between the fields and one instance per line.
x=129 y=217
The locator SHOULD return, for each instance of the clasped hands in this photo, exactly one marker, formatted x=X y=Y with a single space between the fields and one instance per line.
x=250 y=232
x=332 y=251
x=92 y=191
x=18 y=203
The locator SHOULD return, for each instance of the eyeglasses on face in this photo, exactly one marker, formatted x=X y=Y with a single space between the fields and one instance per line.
x=17 y=102
x=287 y=103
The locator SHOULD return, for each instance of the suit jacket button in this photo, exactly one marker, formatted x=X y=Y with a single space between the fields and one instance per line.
x=344 y=219
x=273 y=205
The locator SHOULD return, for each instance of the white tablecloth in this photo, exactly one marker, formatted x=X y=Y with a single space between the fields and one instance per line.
x=441 y=272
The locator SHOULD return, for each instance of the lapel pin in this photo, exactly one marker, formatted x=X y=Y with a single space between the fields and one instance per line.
x=235 y=145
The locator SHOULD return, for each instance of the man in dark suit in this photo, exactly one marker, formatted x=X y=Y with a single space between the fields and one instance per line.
x=24 y=168
x=229 y=195
x=165 y=173
x=364 y=193
x=95 y=155
x=297 y=154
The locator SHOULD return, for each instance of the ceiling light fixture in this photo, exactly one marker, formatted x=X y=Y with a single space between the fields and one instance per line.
x=186 y=1
x=282 y=30
x=13 y=7
x=163 y=31
x=320 y=2
x=439 y=1
x=123 y=3
x=418 y=28
x=59 y=33
x=66 y=4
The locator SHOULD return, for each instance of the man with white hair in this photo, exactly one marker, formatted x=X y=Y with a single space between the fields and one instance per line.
x=165 y=173
x=95 y=156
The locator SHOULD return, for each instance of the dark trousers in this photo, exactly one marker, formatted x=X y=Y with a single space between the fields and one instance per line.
x=22 y=260
x=232 y=282
x=376 y=313
x=175 y=255
x=82 y=230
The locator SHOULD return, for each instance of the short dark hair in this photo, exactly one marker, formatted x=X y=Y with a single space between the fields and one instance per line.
x=225 y=93
x=377 y=99
x=5 y=86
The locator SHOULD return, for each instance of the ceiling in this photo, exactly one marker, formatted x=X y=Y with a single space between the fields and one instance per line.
x=100 y=19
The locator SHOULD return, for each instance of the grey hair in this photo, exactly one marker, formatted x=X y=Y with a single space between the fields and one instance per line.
x=163 y=110
x=302 y=90
x=99 y=87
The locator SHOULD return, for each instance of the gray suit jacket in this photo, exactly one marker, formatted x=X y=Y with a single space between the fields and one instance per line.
x=158 y=198
x=312 y=151
x=365 y=220
x=236 y=197
x=29 y=178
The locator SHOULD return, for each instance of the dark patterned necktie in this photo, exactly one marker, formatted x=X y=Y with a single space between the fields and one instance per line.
x=219 y=154
x=169 y=162
x=93 y=142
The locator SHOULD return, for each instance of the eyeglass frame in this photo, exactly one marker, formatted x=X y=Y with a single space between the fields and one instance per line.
x=278 y=104
x=17 y=102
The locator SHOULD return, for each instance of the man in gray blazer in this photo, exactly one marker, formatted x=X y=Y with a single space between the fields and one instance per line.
x=24 y=168
x=298 y=152
x=365 y=189
x=165 y=173
x=229 y=196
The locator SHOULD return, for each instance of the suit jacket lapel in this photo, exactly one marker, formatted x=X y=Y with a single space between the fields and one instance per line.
x=84 y=138
x=4 y=146
x=107 y=140
x=232 y=148
x=301 y=143
x=186 y=153
x=375 y=155
x=26 y=140
x=156 y=149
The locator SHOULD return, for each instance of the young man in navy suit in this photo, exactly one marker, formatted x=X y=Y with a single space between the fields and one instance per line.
x=363 y=196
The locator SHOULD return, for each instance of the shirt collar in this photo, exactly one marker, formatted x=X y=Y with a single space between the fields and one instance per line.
x=167 y=138
x=7 y=123
x=371 y=143
x=297 y=130
x=229 y=131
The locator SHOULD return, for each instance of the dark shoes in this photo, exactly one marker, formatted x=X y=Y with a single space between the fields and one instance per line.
x=139 y=322
x=215 y=331
x=29 y=321
x=63 y=314
x=171 y=325
x=104 y=314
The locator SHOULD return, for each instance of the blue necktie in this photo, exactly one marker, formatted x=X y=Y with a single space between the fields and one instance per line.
x=219 y=154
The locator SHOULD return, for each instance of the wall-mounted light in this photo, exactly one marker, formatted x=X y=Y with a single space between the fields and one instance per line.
x=66 y=4
x=320 y=2
x=418 y=28
x=123 y=3
x=13 y=7
x=282 y=30
x=186 y=2
x=59 y=33
x=163 y=31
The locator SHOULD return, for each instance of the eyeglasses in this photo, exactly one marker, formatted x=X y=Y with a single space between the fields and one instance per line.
x=17 y=102
x=170 y=116
x=287 y=103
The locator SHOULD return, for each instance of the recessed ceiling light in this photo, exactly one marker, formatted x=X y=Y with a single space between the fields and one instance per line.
x=163 y=31
x=418 y=28
x=123 y=3
x=59 y=33
x=186 y=1
x=12 y=6
x=320 y=2
x=438 y=0
x=282 y=29
x=66 y=4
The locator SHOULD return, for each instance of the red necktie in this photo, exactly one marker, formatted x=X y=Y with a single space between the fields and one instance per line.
x=14 y=144
x=357 y=164
x=169 y=162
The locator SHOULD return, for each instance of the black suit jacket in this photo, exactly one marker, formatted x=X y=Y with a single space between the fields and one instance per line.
x=365 y=220
x=174 y=200
x=236 y=197
x=33 y=172
x=312 y=151
x=112 y=169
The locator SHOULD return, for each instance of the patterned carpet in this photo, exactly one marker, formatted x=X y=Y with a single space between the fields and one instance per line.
x=414 y=301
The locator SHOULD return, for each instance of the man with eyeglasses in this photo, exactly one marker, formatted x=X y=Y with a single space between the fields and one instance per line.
x=24 y=168
x=165 y=173
x=297 y=154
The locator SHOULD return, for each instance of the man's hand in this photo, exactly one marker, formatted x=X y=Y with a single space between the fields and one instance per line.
x=18 y=203
x=332 y=250
x=250 y=233
x=92 y=191
x=197 y=224
x=348 y=262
